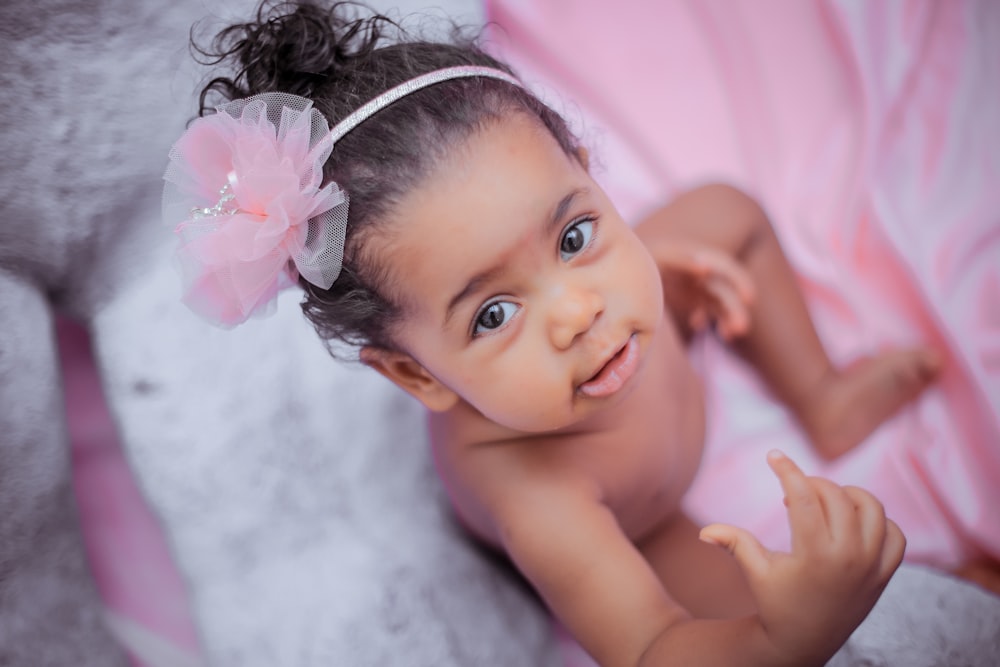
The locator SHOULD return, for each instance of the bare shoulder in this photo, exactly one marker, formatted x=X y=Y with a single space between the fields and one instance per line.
x=566 y=510
x=568 y=543
x=486 y=478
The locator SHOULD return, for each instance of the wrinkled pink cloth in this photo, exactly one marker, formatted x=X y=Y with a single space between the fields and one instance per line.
x=871 y=134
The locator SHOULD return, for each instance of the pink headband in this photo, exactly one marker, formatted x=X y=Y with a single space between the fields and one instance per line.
x=245 y=184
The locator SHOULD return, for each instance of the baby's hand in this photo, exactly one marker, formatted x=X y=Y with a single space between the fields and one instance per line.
x=707 y=286
x=844 y=550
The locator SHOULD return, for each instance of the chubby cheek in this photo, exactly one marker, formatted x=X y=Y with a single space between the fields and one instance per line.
x=533 y=396
x=641 y=280
x=535 y=412
x=654 y=285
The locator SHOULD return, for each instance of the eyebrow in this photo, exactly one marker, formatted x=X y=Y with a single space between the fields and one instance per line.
x=483 y=277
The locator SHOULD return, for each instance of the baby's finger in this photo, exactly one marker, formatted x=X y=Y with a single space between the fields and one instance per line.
x=698 y=320
x=871 y=518
x=733 y=316
x=724 y=267
x=752 y=556
x=805 y=513
x=682 y=257
x=841 y=514
x=893 y=549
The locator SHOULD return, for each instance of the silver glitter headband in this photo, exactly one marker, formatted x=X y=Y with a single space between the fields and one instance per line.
x=375 y=105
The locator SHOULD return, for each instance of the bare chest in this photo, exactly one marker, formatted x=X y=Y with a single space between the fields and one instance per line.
x=644 y=467
x=640 y=463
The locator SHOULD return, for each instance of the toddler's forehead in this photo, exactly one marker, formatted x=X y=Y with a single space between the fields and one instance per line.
x=478 y=201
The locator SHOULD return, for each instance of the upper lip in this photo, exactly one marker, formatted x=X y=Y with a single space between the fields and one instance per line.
x=607 y=357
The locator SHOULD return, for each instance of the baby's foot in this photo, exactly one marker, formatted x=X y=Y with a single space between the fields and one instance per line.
x=985 y=573
x=856 y=400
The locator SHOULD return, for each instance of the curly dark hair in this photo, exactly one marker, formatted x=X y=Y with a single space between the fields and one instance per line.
x=341 y=56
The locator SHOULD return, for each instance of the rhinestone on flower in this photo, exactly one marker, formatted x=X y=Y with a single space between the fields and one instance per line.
x=225 y=196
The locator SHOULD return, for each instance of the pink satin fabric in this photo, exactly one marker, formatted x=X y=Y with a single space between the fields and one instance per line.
x=126 y=549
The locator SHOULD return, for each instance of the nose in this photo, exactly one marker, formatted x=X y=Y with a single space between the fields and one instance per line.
x=572 y=312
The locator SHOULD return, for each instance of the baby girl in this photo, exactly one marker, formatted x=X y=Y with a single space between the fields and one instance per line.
x=449 y=229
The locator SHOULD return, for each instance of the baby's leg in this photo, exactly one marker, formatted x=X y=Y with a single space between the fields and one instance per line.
x=985 y=572
x=837 y=407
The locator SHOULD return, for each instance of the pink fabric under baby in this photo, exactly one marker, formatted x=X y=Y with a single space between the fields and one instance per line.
x=871 y=134
x=147 y=606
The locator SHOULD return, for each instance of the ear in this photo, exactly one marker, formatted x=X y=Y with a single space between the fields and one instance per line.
x=406 y=372
x=583 y=155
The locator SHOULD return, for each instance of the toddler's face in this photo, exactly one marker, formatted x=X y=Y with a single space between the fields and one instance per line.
x=527 y=295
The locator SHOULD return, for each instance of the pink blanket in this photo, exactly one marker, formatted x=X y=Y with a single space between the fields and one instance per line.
x=147 y=607
x=871 y=133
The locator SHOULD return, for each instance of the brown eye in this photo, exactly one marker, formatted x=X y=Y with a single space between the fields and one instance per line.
x=572 y=241
x=575 y=238
x=493 y=316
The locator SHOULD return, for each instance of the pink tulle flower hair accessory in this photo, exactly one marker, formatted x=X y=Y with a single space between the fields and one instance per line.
x=244 y=191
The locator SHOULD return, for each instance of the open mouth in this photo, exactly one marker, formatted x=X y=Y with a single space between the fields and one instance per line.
x=613 y=375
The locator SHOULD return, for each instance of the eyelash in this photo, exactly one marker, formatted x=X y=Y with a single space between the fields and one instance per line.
x=575 y=224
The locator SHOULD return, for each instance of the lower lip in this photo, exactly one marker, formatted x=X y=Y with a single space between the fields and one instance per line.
x=615 y=373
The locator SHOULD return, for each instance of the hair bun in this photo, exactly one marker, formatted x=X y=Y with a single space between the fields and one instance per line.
x=292 y=47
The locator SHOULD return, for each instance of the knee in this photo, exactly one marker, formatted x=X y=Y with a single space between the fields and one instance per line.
x=742 y=213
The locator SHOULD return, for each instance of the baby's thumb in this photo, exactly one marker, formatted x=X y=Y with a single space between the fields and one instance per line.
x=748 y=551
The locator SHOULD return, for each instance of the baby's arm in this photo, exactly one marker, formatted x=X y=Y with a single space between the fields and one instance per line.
x=769 y=323
x=569 y=545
